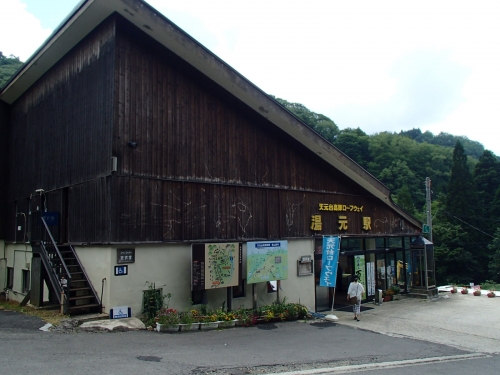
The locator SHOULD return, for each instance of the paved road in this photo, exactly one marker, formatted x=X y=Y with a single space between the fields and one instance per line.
x=463 y=321
x=385 y=334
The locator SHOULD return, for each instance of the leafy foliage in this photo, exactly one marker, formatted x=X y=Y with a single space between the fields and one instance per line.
x=465 y=188
x=8 y=66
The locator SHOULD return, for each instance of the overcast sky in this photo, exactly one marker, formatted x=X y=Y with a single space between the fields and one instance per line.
x=378 y=65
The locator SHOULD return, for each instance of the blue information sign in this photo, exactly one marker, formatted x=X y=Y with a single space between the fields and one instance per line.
x=51 y=218
x=330 y=260
x=121 y=270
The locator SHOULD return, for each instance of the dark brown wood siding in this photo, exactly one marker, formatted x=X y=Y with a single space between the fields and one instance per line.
x=61 y=127
x=162 y=211
x=4 y=126
x=187 y=128
x=208 y=168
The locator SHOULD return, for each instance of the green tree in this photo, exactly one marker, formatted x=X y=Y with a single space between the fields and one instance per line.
x=461 y=195
x=405 y=201
x=318 y=122
x=487 y=180
x=8 y=66
x=354 y=143
x=494 y=264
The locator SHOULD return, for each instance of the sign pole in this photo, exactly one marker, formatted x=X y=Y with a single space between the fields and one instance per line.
x=254 y=294
x=278 y=286
x=229 y=299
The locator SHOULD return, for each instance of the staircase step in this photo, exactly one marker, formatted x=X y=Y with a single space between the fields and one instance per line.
x=90 y=296
x=79 y=289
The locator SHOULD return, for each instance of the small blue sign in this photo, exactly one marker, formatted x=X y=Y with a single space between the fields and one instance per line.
x=120 y=312
x=51 y=218
x=121 y=270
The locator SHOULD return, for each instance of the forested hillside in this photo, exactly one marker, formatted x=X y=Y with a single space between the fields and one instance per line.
x=8 y=66
x=465 y=189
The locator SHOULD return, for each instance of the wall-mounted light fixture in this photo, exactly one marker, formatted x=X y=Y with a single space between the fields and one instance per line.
x=132 y=144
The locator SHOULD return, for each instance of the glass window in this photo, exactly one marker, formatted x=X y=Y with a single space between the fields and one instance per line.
x=391 y=270
x=239 y=290
x=396 y=242
x=408 y=268
x=400 y=270
x=10 y=277
x=380 y=272
x=380 y=243
x=26 y=281
x=351 y=244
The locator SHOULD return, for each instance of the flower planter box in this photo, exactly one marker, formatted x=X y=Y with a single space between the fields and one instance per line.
x=189 y=327
x=387 y=298
x=227 y=323
x=464 y=291
x=167 y=328
x=209 y=326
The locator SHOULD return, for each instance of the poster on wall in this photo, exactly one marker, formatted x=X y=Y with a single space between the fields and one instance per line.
x=370 y=278
x=329 y=261
x=267 y=261
x=215 y=265
x=359 y=269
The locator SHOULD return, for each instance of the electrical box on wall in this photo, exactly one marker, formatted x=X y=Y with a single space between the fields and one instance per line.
x=305 y=266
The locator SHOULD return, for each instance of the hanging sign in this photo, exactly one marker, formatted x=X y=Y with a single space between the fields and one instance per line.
x=330 y=260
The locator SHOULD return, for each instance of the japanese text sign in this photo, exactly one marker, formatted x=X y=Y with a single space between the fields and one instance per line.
x=330 y=259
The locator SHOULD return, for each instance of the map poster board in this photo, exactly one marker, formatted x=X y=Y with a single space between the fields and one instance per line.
x=267 y=261
x=221 y=265
x=216 y=265
x=329 y=261
x=359 y=269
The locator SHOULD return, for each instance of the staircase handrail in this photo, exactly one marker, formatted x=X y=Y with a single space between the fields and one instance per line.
x=63 y=263
x=52 y=275
x=85 y=273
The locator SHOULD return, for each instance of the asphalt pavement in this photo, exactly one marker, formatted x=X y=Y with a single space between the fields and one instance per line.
x=453 y=327
x=463 y=321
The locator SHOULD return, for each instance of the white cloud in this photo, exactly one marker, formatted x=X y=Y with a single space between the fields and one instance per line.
x=21 y=33
x=382 y=65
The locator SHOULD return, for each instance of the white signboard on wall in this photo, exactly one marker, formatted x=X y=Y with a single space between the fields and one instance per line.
x=370 y=278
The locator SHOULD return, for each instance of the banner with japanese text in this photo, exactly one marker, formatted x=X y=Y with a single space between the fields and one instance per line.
x=359 y=270
x=330 y=260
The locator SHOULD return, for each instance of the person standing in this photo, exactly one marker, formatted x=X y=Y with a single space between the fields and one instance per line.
x=354 y=294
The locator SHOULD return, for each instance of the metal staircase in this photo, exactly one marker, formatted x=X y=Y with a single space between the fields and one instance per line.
x=67 y=276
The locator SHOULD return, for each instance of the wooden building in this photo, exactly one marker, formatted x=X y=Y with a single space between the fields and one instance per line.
x=124 y=133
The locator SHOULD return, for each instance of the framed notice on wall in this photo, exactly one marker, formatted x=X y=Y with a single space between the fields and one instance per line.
x=125 y=256
x=215 y=265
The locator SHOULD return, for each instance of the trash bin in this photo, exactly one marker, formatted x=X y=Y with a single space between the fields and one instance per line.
x=378 y=297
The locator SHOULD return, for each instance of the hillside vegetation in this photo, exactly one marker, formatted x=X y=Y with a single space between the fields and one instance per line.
x=465 y=189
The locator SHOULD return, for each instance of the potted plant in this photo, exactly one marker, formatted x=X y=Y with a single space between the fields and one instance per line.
x=387 y=294
x=187 y=322
x=395 y=288
x=491 y=294
x=167 y=320
x=209 y=321
x=464 y=290
x=453 y=289
x=477 y=292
